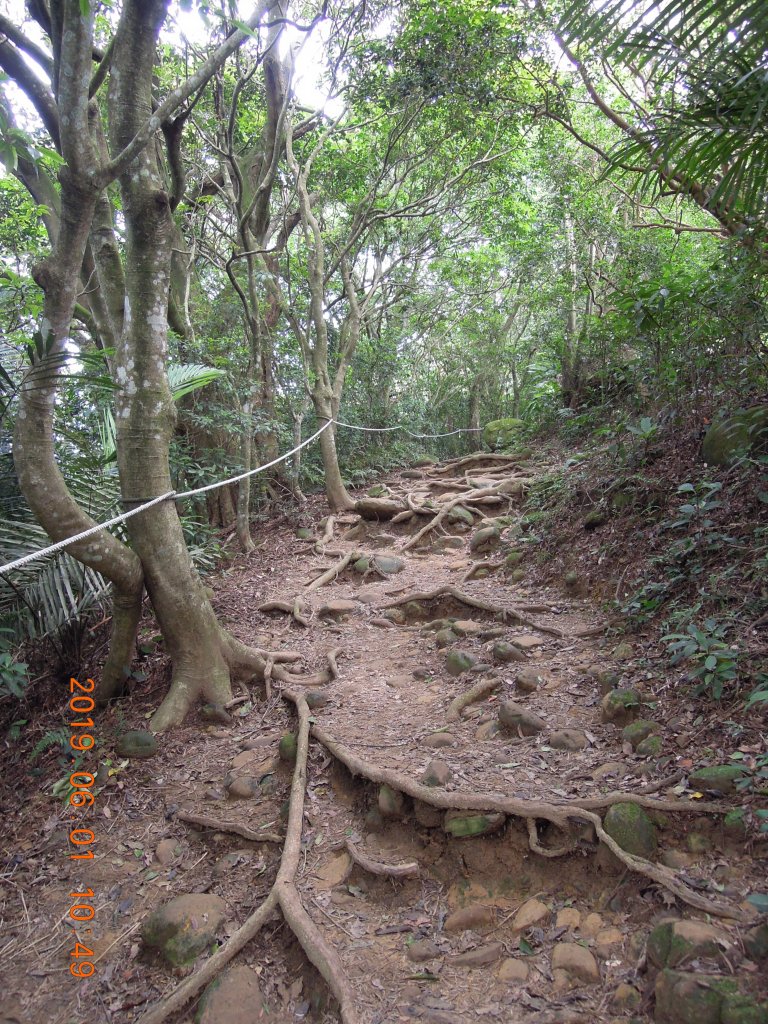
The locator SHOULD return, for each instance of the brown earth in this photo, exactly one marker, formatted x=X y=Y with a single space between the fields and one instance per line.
x=554 y=924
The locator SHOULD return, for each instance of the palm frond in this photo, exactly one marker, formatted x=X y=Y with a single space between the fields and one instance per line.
x=189 y=377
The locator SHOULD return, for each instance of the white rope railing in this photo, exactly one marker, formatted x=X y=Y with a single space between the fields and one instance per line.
x=177 y=496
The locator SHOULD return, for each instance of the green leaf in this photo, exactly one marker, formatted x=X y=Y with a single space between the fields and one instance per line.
x=85 y=8
x=759 y=900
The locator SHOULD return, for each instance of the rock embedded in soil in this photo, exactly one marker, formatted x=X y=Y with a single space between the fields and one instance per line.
x=488 y=730
x=391 y=802
x=719 y=778
x=504 y=652
x=485 y=538
x=167 y=851
x=185 y=927
x=445 y=638
x=576 y=962
x=568 y=917
x=756 y=943
x=439 y=739
x=287 y=747
x=629 y=826
x=675 y=943
x=473 y=917
x=703 y=999
x=620 y=707
x=568 y=739
x=532 y=912
x=650 y=747
x=676 y=859
x=513 y=971
x=422 y=950
x=625 y=997
x=459 y=514
x=639 y=730
x=338 y=610
x=457 y=662
x=698 y=844
x=136 y=743
x=316 y=699
x=236 y=998
x=517 y=719
x=464 y=825
x=528 y=680
x=242 y=788
x=388 y=564
x=479 y=957
x=437 y=773
x=623 y=652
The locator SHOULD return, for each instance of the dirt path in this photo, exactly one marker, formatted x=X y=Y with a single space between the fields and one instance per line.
x=457 y=872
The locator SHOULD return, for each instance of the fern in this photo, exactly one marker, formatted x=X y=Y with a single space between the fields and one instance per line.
x=53 y=738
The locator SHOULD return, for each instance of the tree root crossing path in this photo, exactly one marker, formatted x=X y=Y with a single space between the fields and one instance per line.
x=459 y=826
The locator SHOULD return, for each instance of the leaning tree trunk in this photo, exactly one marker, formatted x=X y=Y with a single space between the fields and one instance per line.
x=326 y=409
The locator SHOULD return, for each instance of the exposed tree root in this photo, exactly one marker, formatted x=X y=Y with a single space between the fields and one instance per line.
x=544 y=851
x=283 y=895
x=559 y=814
x=228 y=826
x=470 y=696
x=471 y=460
x=409 y=869
x=476 y=602
x=490 y=566
x=333 y=572
x=301 y=612
x=328 y=525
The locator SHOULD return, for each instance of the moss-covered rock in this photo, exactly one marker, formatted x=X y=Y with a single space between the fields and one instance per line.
x=720 y=778
x=621 y=706
x=502 y=433
x=444 y=638
x=304 y=534
x=388 y=564
x=287 y=747
x=756 y=943
x=136 y=743
x=362 y=565
x=485 y=538
x=185 y=927
x=687 y=998
x=649 y=747
x=740 y=1009
x=460 y=514
x=629 y=826
x=457 y=662
x=673 y=943
x=514 y=558
x=639 y=730
x=464 y=824
x=391 y=802
x=735 y=436
x=423 y=461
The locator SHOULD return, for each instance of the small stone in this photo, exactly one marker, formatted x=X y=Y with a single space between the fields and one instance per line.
x=479 y=957
x=393 y=616
x=437 y=773
x=234 y=997
x=439 y=739
x=623 y=652
x=515 y=718
x=444 y=638
x=650 y=747
x=391 y=802
x=676 y=859
x=625 y=997
x=517 y=575
x=606 y=938
x=698 y=844
x=514 y=558
x=513 y=971
x=287 y=747
x=457 y=662
x=338 y=610
x=638 y=731
x=362 y=565
x=576 y=961
x=621 y=706
x=719 y=778
x=488 y=730
x=473 y=917
x=632 y=829
x=316 y=699
x=610 y=768
x=242 y=788
x=485 y=538
x=528 y=680
x=422 y=950
x=532 y=912
x=568 y=917
x=568 y=739
x=167 y=851
x=504 y=652
x=462 y=825
x=388 y=564
x=591 y=925
x=136 y=743
x=526 y=642
x=467 y=627
x=756 y=943
x=185 y=927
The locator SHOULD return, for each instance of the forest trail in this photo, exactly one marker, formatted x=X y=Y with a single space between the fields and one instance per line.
x=457 y=868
